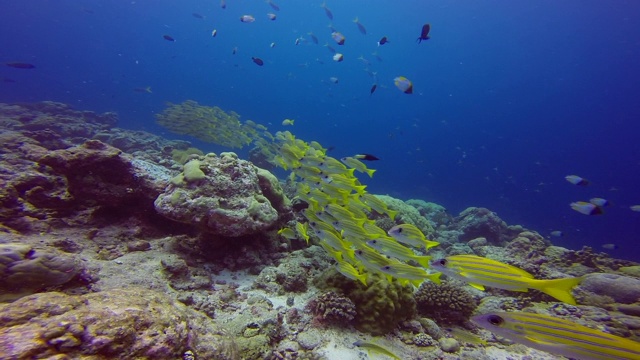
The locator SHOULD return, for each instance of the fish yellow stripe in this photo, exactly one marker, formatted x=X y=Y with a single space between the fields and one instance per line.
x=559 y=336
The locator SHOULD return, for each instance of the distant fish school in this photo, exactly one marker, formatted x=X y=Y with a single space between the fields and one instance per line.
x=405 y=85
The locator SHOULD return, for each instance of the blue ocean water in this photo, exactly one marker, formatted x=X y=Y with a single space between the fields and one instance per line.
x=509 y=97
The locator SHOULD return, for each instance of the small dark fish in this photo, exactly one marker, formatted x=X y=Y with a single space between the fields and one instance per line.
x=361 y=27
x=373 y=89
x=168 y=38
x=258 y=61
x=223 y=4
x=424 y=35
x=7 y=80
x=19 y=65
x=273 y=5
x=313 y=38
x=327 y=11
x=383 y=41
x=234 y=50
x=333 y=51
x=197 y=16
x=367 y=157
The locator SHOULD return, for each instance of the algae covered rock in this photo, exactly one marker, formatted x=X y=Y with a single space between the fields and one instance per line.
x=117 y=324
x=24 y=270
x=220 y=195
x=622 y=289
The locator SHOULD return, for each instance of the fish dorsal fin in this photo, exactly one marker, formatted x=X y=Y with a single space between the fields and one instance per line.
x=477 y=286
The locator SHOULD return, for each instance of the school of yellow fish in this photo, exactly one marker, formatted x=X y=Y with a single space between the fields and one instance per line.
x=212 y=124
x=337 y=216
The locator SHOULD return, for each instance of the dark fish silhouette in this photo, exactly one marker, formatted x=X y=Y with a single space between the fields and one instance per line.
x=197 y=16
x=19 y=65
x=383 y=41
x=223 y=4
x=373 y=89
x=7 y=80
x=367 y=157
x=273 y=5
x=327 y=11
x=168 y=38
x=424 y=35
x=361 y=27
x=313 y=38
x=258 y=61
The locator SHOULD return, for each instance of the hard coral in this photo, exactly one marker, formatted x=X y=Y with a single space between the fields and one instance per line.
x=407 y=214
x=480 y=222
x=445 y=303
x=333 y=308
x=129 y=323
x=224 y=198
x=380 y=306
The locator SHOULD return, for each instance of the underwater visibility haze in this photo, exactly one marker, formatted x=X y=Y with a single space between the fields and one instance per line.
x=527 y=108
x=508 y=97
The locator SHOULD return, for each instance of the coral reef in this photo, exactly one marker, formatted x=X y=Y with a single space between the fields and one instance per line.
x=95 y=270
x=380 y=306
x=480 y=222
x=125 y=324
x=333 y=309
x=220 y=195
x=24 y=270
x=445 y=303
x=407 y=214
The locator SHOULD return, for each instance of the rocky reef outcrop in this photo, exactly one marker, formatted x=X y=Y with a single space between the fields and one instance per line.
x=222 y=195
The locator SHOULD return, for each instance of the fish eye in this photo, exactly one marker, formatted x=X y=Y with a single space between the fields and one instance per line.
x=399 y=230
x=386 y=267
x=374 y=241
x=495 y=320
x=442 y=262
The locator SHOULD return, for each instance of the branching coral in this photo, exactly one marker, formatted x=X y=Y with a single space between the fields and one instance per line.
x=445 y=303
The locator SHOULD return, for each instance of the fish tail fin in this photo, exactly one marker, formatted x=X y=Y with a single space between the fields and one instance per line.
x=428 y=244
x=417 y=283
x=360 y=189
x=560 y=289
x=392 y=213
x=351 y=254
x=370 y=172
x=363 y=279
x=148 y=89
x=435 y=277
x=422 y=260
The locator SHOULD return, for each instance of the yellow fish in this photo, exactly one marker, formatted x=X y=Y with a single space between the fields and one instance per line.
x=558 y=336
x=287 y=122
x=479 y=272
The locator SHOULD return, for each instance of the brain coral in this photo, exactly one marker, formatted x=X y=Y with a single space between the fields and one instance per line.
x=221 y=196
x=445 y=303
